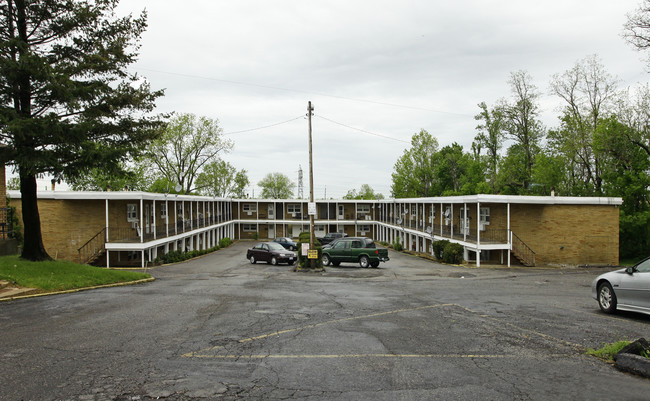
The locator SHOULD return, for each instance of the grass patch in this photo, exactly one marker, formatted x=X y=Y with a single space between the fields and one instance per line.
x=60 y=275
x=608 y=351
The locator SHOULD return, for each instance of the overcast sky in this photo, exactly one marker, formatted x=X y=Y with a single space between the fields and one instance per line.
x=386 y=67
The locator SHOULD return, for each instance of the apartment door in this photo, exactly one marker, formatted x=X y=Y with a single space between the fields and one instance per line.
x=464 y=221
x=341 y=212
x=271 y=213
x=147 y=220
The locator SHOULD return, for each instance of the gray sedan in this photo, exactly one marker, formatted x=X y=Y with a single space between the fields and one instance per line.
x=625 y=289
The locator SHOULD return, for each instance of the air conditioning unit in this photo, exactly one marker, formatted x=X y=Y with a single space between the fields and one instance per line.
x=367 y=217
x=134 y=225
x=249 y=213
x=293 y=215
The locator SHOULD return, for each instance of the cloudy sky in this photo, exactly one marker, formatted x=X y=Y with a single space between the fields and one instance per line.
x=376 y=72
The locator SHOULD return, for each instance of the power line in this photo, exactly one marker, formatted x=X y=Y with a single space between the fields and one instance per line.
x=307 y=92
x=266 y=126
x=362 y=130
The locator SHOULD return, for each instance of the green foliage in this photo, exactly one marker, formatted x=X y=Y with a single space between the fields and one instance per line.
x=276 y=186
x=365 y=192
x=452 y=253
x=185 y=145
x=60 y=275
x=438 y=249
x=179 y=256
x=397 y=244
x=634 y=237
x=225 y=242
x=304 y=262
x=221 y=179
x=608 y=351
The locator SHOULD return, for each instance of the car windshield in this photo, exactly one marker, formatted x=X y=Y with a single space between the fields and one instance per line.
x=274 y=246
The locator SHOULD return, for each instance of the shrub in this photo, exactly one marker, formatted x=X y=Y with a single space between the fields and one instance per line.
x=397 y=244
x=225 y=242
x=452 y=253
x=303 y=261
x=438 y=248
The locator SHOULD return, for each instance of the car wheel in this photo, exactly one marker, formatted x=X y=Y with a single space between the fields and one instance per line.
x=606 y=298
x=274 y=261
x=252 y=259
x=364 y=261
x=374 y=264
x=326 y=260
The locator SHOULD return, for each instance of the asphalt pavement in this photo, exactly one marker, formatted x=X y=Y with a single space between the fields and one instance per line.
x=218 y=327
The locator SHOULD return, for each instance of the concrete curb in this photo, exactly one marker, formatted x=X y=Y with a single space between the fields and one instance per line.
x=146 y=280
x=635 y=364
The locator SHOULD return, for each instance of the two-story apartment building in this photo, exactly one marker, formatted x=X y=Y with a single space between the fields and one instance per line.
x=132 y=228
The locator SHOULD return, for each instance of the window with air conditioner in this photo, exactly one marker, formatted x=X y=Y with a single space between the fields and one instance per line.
x=447 y=215
x=484 y=219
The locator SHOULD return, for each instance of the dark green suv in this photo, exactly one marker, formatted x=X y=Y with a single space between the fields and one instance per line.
x=360 y=250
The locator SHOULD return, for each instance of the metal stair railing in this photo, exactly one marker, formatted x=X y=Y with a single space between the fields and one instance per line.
x=521 y=250
x=93 y=247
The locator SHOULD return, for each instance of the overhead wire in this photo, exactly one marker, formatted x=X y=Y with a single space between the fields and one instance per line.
x=307 y=92
x=361 y=130
x=264 y=127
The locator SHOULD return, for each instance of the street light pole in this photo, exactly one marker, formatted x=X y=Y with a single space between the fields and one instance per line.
x=310 y=109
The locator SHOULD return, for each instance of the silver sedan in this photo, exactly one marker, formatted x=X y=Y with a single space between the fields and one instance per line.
x=625 y=289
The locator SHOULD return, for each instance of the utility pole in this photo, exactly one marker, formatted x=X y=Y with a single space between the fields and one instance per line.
x=312 y=239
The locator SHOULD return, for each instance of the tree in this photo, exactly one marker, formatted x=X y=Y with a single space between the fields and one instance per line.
x=125 y=176
x=490 y=136
x=276 y=186
x=589 y=93
x=636 y=29
x=185 y=145
x=365 y=192
x=521 y=119
x=68 y=103
x=413 y=171
x=221 y=179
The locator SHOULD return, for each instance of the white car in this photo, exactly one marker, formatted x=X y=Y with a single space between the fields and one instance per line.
x=625 y=289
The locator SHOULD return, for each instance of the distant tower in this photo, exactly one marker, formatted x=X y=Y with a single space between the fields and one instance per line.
x=300 y=192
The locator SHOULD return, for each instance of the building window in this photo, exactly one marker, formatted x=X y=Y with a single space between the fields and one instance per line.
x=163 y=211
x=251 y=228
x=363 y=209
x=485 y=217
x=363 y=228
x=249 y=207
x=132 y=213
x=447 y=215
x=293 y=208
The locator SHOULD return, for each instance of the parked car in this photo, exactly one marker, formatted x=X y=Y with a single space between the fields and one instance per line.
x=625 y=289
x=329 y=237
x=270 y=252
x=287 y=243
x=360 y=250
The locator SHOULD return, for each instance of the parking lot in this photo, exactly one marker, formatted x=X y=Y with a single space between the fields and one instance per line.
x=218 y=327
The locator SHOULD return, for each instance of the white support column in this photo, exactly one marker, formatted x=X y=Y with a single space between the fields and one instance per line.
x=509 y=234
x=154 y=218
x=465 y=220
x=107 y=236
x=142 y=226
x=142 y=253
x=478 y=234
x=108 y=259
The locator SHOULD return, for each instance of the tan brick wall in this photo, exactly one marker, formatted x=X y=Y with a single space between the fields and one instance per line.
x=568 y=234
x=67 y=225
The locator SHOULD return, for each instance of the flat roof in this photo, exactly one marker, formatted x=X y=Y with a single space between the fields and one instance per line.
x=483 y=198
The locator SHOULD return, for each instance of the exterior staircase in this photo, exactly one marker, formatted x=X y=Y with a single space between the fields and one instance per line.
x=521 y=251
x=94 y=248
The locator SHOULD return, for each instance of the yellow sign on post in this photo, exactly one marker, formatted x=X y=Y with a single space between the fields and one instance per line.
x=312 y=254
